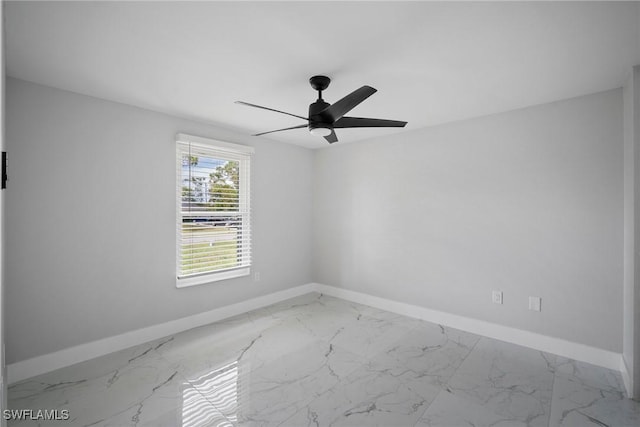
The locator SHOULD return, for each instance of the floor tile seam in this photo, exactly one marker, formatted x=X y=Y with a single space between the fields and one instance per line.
x=342 y=380
x=32 y=396
x=465 y=398
x=296 y=412
x=92 y=375
x=578 y=408
x=101 y=381
x=424 y=411
x=186 y=380
x=343 y=376
x=400 y=337
x=442 y=390
x=553 y=395
x=257 y=366
x=393 y=343
x=154 y=353
x=396 y=341
x=220 y=410
x=328 y=339
x=117 y=414
x=497 y=414
x=455 y=371
x=592 y=384
x=372 y=315
x=419 y=322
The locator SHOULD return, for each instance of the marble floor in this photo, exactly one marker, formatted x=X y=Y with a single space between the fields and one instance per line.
x=321 y=361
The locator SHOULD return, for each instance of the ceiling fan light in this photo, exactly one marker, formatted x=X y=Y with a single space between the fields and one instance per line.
x=320 y=131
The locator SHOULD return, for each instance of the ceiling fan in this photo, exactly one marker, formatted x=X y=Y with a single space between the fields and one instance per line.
x=324 y=117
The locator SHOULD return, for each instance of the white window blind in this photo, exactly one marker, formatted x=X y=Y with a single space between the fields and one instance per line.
x=213 y=210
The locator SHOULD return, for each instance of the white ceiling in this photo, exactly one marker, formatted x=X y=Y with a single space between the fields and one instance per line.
x=432 y=62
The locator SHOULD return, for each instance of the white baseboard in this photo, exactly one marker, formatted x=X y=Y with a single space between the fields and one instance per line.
x=39 y=365
x=49 y=362
x=572 y=350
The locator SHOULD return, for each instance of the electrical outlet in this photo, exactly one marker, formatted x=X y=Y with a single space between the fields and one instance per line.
x=535 y=303
x=256 y=276
x=496 y=297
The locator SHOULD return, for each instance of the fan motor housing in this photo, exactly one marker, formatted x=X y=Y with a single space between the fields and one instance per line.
x=315 y=109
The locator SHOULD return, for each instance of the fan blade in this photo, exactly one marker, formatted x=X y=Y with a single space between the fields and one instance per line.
x=278 y=130
x=270 y=109
x=364 y=122
x=338 y=109
x=332 y=137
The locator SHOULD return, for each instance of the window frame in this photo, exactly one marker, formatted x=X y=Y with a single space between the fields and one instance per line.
x=219 y=150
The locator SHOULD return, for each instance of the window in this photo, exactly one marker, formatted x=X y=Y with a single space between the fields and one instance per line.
x=213 y=210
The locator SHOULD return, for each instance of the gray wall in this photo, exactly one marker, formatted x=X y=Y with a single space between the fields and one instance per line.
x=529 y=202
x=90 y=214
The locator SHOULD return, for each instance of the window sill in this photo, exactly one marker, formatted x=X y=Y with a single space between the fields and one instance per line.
x=213 y=277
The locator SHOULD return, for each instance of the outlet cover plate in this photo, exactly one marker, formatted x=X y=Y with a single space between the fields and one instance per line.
x=535 y=303
x=496 y=297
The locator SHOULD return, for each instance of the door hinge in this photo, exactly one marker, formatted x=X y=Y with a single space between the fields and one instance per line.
x=4 y=177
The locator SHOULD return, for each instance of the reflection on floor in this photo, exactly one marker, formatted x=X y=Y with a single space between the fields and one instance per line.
x=320 y=361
